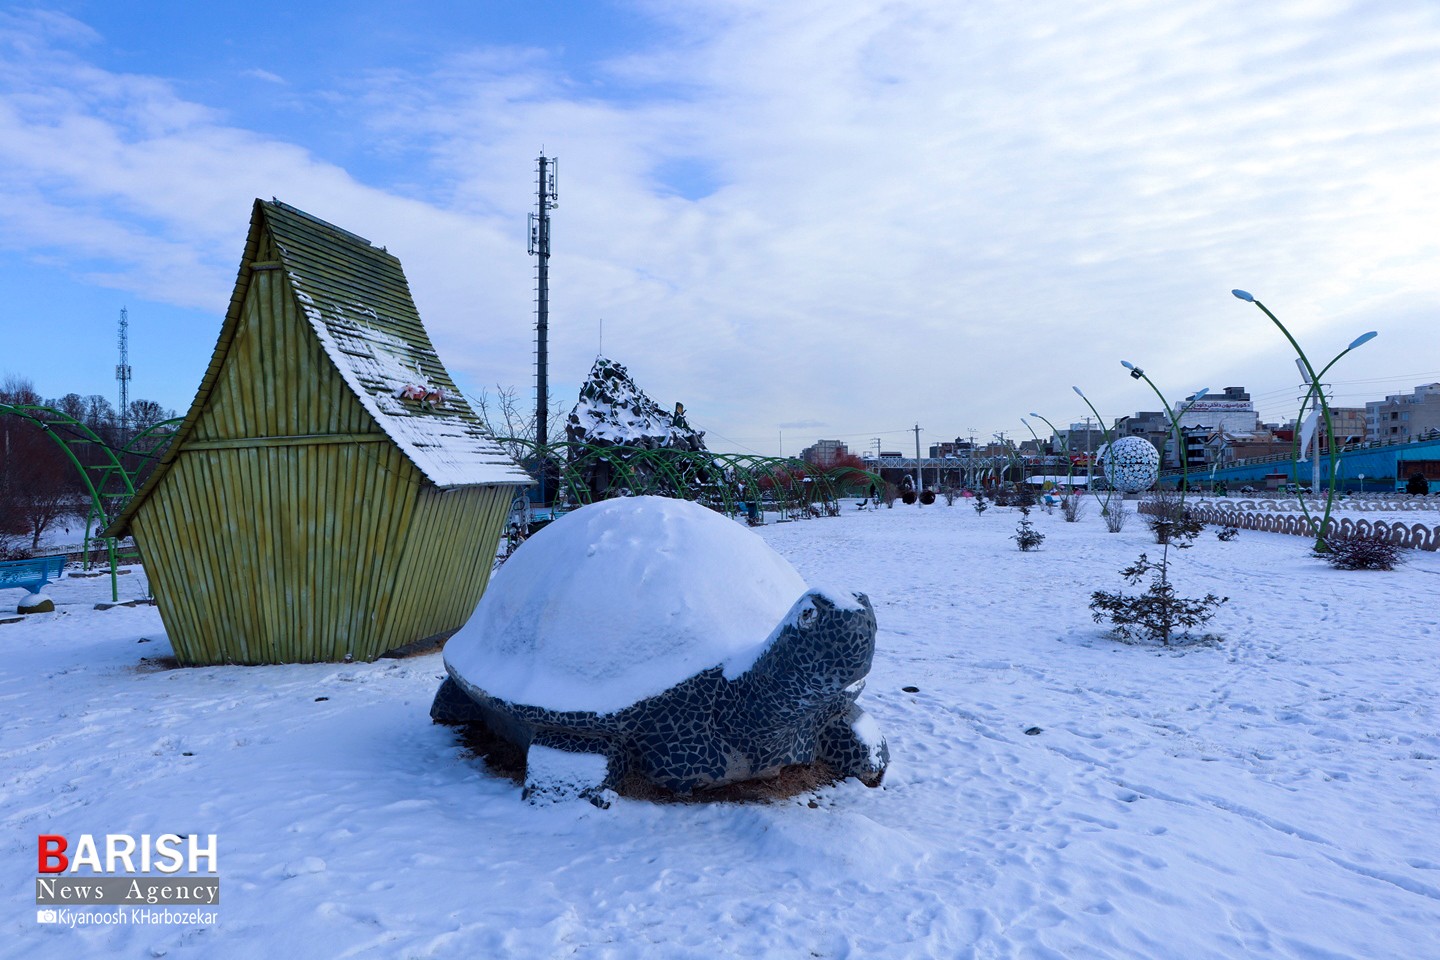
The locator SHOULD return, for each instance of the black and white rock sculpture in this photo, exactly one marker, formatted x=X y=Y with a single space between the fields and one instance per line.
x=651 y=637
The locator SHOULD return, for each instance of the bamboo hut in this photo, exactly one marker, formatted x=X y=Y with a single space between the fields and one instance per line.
x=330 y=495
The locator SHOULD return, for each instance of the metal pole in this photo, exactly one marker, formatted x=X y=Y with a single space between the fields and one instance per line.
x=545 y=196
x=919 y=477
x=542 y=315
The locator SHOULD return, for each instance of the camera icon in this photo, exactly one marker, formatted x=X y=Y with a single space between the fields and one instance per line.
x=47 y=916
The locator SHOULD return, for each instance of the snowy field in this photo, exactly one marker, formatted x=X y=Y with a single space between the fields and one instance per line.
x=1273 y=795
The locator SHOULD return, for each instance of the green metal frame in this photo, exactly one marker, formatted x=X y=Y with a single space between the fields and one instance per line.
x=732 y=483
x=113 y=485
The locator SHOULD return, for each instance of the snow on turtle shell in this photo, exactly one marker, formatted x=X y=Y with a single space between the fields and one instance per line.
x=619 y=601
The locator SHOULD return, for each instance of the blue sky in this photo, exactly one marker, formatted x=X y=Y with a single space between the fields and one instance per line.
x=812 y=218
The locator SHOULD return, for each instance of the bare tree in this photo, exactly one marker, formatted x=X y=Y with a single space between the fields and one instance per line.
x=32 y=470
x=507 y=418
x=147 y=413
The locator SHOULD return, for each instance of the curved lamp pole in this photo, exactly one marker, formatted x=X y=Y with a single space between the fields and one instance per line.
x=1012 y=457
x=1104 y=504
x=1315 y=389
x=1037 y=443
x=1064 y=448
x=1180 y=446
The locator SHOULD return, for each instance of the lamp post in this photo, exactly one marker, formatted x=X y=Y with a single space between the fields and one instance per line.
x=1090 y=467
x=1037 y=448
x=1318 y=392
x=1064 y=448
x=1180 y=445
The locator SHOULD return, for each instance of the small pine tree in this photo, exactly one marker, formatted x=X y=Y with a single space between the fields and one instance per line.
x=1156 y=614
x=1026 y=536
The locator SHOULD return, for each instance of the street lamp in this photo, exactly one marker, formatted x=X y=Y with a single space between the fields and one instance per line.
x=1318 y=392
x=1180 y=445
x=1090 y=467
x=1064 y=448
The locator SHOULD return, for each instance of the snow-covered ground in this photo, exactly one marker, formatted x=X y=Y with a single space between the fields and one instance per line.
x=1275 y=795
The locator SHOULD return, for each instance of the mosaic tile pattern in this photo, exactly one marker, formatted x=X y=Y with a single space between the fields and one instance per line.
x=795 y=705
x=1131 y=464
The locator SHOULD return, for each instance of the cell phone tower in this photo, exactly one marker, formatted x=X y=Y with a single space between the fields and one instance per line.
x=540 y=249
x=122 y=372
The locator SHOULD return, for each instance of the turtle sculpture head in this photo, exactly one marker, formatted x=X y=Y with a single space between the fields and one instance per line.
x=685 y=700
x=824 y=646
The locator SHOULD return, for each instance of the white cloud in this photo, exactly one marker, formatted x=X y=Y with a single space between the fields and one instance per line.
x=926 y=211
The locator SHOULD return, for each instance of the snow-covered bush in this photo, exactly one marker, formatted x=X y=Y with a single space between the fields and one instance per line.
x=1072 y=507
x=1116 y=516
x=1357 y=552
x=1227 y=533
x=1169 y=520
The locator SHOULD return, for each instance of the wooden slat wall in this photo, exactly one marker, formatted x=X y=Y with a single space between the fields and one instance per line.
x=446 y=561
x=266 y=554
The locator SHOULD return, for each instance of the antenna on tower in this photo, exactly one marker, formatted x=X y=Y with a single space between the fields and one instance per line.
x=546 y=197
x=122 y=373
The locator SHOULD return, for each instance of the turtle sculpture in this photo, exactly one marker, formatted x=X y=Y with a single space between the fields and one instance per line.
x=654 y=638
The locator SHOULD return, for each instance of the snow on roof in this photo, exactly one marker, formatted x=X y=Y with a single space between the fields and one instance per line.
x=358 y=303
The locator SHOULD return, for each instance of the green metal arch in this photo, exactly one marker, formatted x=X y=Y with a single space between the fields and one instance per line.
x=106 y=500
x=733 y=483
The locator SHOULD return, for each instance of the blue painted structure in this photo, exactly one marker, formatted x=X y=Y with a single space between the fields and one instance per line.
x=1379 y=464
x=32 y=574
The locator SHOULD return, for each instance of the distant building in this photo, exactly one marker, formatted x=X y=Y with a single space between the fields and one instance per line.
x=824 y=453
x=954 y=448
x=1081 y=438
x=1350 y=425
x=1223 y=447
x=1153 y=425
x=1404 y=417
x=1231 y=410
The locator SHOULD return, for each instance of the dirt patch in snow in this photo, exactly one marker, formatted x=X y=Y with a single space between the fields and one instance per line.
x=505 y=760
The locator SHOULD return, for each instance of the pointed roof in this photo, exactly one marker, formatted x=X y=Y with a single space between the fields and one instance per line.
x=358 y=304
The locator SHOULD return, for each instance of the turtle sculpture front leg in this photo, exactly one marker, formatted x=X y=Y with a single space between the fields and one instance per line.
x=853 y=744
x=562 y=766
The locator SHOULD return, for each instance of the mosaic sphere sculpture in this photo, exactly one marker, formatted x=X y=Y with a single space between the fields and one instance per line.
x=650 y=638
x=1131 y=464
